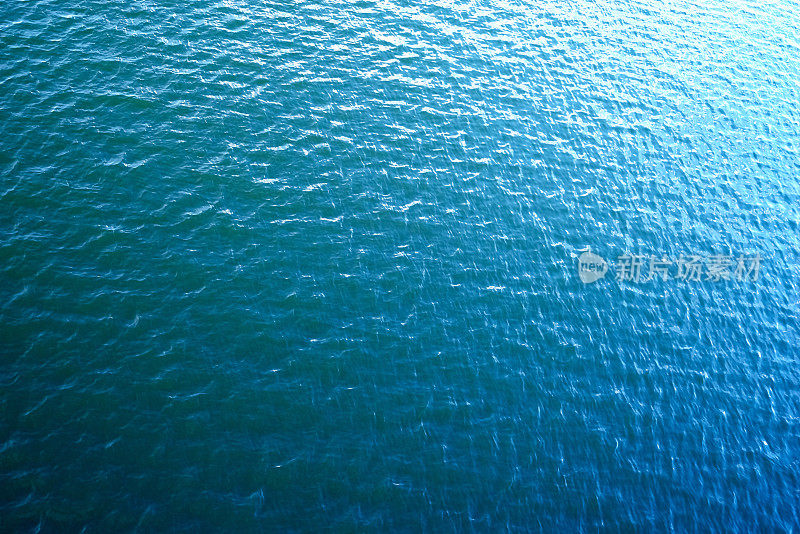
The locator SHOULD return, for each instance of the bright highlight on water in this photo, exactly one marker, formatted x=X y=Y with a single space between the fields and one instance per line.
x=399 y=266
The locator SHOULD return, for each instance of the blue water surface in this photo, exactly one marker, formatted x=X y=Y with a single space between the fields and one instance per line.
x=296 y=265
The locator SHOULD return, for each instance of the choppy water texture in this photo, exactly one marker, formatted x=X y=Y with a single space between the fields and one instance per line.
x=291 y=265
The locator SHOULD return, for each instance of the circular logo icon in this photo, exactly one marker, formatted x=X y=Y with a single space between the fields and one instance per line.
x=591 y=267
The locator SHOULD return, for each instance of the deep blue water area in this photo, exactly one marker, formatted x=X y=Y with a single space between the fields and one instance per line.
x=281 y=266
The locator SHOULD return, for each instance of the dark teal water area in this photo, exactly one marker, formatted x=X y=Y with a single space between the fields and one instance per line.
x=295 y=265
